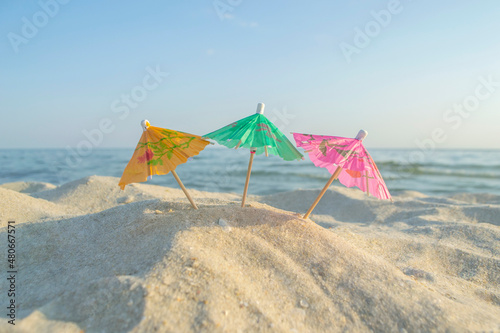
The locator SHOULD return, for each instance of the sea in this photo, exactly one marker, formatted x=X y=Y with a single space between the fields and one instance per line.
x=219 y=169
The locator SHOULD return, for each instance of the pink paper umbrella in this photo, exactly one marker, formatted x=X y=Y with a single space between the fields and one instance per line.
x=346 y=159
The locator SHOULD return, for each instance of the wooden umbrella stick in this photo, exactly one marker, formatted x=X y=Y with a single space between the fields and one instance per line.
x=265 y=148
x=249 y=171
x=184 y=189
x=330 y=181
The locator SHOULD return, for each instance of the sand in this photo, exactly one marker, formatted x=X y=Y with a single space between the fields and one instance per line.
x=94 y=258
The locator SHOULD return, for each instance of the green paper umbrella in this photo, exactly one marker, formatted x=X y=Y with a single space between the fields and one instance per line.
x=259 y=135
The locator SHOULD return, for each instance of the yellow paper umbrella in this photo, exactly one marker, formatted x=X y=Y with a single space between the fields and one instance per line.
x=159 y=152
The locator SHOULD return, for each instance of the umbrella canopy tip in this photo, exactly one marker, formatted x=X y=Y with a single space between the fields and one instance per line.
x=145 y=124
x=260 y=108
x=361 y=135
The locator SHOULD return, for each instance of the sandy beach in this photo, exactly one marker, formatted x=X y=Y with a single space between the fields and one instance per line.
x=94 y=258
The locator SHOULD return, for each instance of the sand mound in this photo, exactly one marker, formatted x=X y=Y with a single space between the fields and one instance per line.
x=183 y=271
x=154 y=264
x=95 y=194
x=355 y=205
x=477 y=198
x=19 y=207
x=28 y=187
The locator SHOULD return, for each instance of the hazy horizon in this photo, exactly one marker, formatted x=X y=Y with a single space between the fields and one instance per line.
x=217 y=146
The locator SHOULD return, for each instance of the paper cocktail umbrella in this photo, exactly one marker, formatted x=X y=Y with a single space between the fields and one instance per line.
x=346 y=159
x=159 y=152
x=259 y=135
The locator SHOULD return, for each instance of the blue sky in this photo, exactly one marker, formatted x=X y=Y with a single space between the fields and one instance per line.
x=402 y=84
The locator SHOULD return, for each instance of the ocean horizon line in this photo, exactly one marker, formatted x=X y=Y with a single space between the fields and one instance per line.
x=217 y=146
